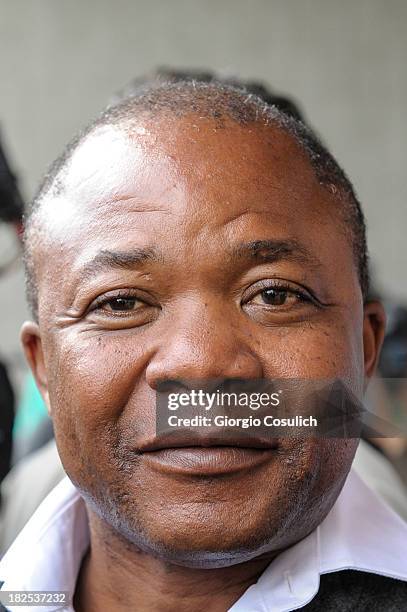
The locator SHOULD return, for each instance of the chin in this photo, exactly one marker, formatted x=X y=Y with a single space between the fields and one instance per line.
x=194 y=556
x=198 y=546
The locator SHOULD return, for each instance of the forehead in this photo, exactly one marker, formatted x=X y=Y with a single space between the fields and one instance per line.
x=155 y=160
x=191 y=175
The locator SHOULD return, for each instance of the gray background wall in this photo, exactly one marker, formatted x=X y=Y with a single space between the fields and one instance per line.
x=345 y=61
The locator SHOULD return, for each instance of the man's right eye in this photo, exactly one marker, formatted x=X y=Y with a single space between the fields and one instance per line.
x=123 y=304
x=122 y=310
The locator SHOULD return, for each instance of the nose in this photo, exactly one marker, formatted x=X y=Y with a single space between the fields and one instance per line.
x=202 y=343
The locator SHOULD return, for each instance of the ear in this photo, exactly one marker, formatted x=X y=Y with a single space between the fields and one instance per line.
x=31 y=340
x=374 y=325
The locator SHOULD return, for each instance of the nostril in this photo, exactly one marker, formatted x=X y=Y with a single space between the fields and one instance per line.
x=177 y=385
x=170 y=385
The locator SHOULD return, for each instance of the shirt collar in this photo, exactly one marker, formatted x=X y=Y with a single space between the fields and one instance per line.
x=360 y=532
x=47 y=554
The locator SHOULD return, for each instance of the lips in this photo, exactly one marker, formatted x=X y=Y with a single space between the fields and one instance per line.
x=191 y=454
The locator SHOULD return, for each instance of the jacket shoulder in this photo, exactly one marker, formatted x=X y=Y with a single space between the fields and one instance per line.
x=351 y=590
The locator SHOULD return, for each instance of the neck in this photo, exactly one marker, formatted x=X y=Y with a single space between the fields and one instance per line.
x=115 y=575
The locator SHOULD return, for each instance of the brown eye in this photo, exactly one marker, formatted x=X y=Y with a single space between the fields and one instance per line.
x=275 y=296
x=123 y=310
x=121 y=304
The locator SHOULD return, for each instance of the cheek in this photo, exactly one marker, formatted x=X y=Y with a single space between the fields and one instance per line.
x=99 y=371
x=93 y=382
x=315 y=351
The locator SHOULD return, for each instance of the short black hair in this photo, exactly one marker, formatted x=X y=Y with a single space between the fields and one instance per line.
x=215 y=99
x=163 y=75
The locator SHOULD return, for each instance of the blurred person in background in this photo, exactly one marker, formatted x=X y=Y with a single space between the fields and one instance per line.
x=11 y=209
x=6 y=422
x=387 y=396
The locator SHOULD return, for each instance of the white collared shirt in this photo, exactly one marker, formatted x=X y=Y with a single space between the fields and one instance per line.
x=360 y=532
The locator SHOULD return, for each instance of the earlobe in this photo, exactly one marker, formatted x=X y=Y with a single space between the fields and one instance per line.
x=31 y=340
x=374 y=324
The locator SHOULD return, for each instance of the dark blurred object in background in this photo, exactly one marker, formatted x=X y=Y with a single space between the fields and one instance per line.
x=393 y=358
x=11 y=212
x=11 y=202
x=6 y=421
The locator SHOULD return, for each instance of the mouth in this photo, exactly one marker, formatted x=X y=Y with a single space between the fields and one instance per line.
x=206 y=455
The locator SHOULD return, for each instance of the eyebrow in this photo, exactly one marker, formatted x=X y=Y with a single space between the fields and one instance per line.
x=271 y=251
x=124 y=260
x=263 y=251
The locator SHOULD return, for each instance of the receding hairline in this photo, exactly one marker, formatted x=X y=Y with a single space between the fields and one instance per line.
x=206 y=100
x=148 y=124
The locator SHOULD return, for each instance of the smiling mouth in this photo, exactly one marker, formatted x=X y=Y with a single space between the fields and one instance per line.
x=207 y=456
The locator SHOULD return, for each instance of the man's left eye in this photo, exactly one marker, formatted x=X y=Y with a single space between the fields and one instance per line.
x=276 y=296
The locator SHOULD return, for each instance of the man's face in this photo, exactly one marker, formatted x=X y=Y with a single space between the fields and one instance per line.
x=148 y=273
